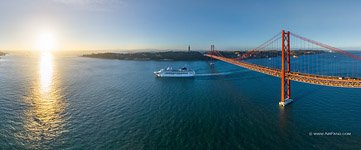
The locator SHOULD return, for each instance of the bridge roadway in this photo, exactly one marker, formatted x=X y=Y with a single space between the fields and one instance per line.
x=333 y=81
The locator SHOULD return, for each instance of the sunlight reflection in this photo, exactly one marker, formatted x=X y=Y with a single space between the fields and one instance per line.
x=45 y=71
x=283 y=116
x=44 y=118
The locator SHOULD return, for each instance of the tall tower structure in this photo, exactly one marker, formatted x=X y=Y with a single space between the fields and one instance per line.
x=285 y=60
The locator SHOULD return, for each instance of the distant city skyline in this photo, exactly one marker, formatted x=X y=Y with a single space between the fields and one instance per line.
x=162 y=24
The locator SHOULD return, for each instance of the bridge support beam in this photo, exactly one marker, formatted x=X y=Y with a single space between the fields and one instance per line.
x=285 y=82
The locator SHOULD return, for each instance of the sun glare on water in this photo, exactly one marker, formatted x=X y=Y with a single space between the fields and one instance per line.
x=45 y=71
x=45 y=44
x=43 y=120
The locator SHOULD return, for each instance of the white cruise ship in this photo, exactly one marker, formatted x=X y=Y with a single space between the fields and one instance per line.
x=169 y=72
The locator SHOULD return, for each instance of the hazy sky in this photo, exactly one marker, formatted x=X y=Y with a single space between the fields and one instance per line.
x=174 y=24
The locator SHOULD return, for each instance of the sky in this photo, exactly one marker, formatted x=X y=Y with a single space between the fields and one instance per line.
x=175 y=24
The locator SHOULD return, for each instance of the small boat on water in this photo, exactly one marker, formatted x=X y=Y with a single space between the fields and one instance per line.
x=169 y=72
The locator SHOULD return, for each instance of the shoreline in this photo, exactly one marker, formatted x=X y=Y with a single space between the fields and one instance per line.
x=192 y=55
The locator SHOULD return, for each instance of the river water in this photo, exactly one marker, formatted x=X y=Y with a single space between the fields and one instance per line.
x=70 y=102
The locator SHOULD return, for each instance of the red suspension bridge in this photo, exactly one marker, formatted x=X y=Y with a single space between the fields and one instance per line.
x=311 y=62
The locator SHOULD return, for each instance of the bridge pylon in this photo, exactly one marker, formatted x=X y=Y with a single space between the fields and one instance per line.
x=285 y=82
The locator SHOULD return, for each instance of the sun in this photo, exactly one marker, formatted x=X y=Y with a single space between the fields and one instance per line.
x=45 y=41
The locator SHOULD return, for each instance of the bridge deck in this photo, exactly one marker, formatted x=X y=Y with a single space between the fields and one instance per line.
x=295 y=76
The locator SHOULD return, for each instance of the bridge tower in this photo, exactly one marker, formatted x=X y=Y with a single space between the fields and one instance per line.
x=285 y=58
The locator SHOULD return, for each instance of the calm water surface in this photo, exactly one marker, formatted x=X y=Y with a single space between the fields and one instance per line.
x=57 y=102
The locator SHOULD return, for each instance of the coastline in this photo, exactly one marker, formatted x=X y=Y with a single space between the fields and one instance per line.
x=192 y=55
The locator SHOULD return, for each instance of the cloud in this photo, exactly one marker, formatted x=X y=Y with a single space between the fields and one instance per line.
x=95 y=5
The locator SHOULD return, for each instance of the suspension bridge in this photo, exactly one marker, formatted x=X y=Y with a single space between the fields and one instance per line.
x=314 y=63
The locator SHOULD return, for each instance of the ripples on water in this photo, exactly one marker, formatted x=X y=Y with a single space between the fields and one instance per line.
x=80 y=103
x=41 y=119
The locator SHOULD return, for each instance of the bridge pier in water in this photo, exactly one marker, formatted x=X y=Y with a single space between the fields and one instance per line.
x=285 y=82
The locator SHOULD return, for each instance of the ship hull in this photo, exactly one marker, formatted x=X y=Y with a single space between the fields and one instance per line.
x=175 y=76
x=167 y=75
